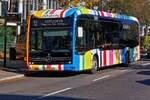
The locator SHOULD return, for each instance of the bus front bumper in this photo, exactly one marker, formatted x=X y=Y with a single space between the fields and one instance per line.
x=59 y=67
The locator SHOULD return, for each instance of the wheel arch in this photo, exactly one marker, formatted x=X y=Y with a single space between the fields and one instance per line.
x=96 y=55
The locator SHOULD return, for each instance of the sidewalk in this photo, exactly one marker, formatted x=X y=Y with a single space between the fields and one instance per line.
x=14 y=69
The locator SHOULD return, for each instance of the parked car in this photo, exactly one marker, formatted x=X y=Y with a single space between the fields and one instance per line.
x=148 y=52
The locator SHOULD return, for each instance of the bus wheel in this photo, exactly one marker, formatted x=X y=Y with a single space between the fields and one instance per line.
x=127 y=58
x=94 y=65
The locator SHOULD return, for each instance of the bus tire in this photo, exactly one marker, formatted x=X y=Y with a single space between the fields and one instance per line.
x=127 y=60
x=94 y=65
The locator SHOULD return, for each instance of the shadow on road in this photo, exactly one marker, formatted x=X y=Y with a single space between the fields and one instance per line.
x=145 y=82
x=144 y=72
x=23 y=97
x=52 y=74
x=147 y=67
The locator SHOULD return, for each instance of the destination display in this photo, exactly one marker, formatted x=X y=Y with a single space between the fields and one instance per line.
x=51 y=22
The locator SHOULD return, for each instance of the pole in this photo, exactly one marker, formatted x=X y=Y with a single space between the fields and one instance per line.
x=11 y=5
x=5 y=38
x=29 y=8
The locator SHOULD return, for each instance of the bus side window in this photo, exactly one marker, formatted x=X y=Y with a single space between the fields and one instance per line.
x=91 y=34
x=81 y=42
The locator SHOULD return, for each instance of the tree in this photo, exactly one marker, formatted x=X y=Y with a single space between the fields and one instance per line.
x=137 y=8
x=77 y=3
x=63 y=3
x=142 y=11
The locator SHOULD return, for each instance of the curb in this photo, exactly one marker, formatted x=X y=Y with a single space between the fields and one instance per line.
x=12 y=77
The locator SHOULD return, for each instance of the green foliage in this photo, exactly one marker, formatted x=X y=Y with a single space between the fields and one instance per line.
x=77 y=3
x=145 y=42
x=10 y=32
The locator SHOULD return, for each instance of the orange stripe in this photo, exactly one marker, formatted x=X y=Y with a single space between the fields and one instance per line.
x=27 y=47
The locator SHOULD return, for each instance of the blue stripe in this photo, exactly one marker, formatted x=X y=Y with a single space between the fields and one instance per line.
x=122 y=17
x=95 y=12
x=71 y=11
x=75 y=57
x=36 y=68
x=96 y=51
x=100 y=58
x=76 y=62
x=132 y=54
x=98 y=13
x=68 y=67
x=124 y=55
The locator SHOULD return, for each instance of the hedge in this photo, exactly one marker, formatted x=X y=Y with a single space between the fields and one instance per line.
x=145 y=42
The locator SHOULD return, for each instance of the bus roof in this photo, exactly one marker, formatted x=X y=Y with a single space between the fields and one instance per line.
x=62 y=13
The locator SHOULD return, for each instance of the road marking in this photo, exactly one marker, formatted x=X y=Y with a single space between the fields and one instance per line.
x=101 y=78
x=53 y=93
x=124 y=70
x=12 y=77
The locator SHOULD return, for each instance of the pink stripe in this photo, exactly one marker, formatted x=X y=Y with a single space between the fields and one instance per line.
x=111 y=57
x=48 y=66
x=109 y=15
x=52 y=12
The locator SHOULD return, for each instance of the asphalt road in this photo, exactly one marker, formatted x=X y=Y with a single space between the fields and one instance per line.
x=114 y=83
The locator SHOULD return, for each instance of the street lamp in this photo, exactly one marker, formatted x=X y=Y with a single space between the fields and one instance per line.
x=5 y=30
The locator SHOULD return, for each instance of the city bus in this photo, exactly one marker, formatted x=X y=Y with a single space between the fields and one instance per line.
x=76 y=39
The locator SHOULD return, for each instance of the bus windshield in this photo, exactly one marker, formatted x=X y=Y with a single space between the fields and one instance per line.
x=50 y=39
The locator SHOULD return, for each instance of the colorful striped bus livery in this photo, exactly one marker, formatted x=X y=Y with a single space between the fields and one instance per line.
x=81 y=62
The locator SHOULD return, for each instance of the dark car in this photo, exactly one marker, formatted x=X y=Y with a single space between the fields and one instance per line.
x=148 y=52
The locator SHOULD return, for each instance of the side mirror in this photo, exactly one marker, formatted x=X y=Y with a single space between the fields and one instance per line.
x=25 y=58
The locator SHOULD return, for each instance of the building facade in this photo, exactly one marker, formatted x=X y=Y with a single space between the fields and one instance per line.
x=17 y=18
x=20 y=9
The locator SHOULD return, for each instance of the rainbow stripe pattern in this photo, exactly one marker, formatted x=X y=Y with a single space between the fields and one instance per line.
x=53 y=13
x=108 y=57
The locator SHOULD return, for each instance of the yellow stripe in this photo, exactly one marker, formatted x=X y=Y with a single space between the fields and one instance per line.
x=116 y=51
x=114 y=15
x=85 y=11
x=34 y=67
x=39 y=13
x=88 y=60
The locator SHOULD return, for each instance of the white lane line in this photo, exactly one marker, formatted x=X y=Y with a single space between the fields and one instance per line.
x=101 y=78
x=124 y=70
x=53 y=93
x=11 y=77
